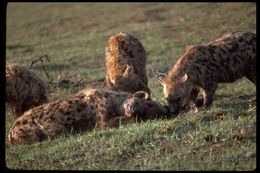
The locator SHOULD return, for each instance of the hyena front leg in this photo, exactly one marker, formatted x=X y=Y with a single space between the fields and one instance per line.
x=192 y=99
x=193 y=95
x=208 y=94
x=142 y=86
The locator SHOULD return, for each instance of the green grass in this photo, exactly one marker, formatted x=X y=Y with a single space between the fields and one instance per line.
x=75 y=36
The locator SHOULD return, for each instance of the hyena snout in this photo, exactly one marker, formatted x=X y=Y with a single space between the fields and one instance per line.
x=135 y=109
x=174 y=105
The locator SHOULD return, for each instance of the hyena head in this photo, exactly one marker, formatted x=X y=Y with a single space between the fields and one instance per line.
x=136 y=105
x=176 y=92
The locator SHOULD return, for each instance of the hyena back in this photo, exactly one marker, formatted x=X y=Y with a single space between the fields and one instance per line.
x=226 y=59
x=125 y=59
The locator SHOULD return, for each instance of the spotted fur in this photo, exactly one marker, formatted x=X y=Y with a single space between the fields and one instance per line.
x=125 y=64
x=226 y=59
x=24 y=89
x=85 y=110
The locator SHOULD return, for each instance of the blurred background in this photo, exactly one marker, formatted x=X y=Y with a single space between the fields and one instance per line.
x=74 y=35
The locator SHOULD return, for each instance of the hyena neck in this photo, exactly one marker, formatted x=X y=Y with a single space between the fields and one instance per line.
x=176 y=75
x=184 y=64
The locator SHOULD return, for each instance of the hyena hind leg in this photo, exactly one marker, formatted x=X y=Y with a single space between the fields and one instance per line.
x=252 y=77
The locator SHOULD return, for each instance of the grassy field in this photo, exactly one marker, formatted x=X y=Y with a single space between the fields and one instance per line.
x=74 y=36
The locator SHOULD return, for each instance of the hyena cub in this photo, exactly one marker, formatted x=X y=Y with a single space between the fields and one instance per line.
x=226 y=59
x=24 y=89
x=85 y=110
x=125 y=59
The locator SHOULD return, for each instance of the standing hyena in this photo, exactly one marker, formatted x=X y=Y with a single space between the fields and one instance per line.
x=226 y=59
x=24 y=89
x=125 y=64
x=85 y=110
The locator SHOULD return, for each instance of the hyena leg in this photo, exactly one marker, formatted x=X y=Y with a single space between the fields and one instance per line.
x=208 y=95
x=251 y=76
x=143 y=87
x=193 y=95
x=192 y=99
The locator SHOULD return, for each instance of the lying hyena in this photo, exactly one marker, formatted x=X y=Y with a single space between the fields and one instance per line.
x=226 y=59
x=24 y=89
x=125 y=64
x=85 y=110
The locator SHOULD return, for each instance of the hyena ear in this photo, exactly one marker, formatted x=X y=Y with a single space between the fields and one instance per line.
x=184 y=78
x=188 y=47
x=129 y=70
x=161 y=78
x=142 y=95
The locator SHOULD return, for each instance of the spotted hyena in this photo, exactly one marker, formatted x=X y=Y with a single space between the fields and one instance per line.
x=125 y=59
x=24 y=89
x=226 y=59
x=85 y=110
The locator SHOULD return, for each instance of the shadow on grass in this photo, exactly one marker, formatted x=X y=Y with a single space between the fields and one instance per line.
x=233 y=96
x=17 y=46
x=238 y=104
